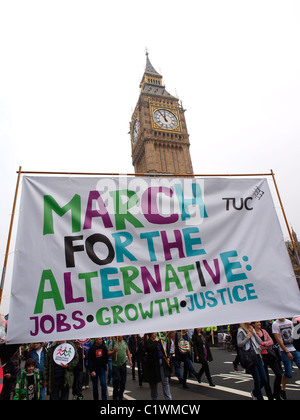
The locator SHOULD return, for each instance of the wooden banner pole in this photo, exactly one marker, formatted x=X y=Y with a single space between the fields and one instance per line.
x=282 y=209
x=114 y=174
x=285 y=219
x=9 y=234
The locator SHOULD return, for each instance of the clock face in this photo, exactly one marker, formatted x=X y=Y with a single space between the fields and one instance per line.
x=135 y=130
x=165 y=119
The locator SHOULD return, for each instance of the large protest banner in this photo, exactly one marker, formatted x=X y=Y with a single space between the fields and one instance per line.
x=112 y=256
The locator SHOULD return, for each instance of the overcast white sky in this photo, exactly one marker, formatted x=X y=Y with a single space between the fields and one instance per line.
x=70 y=74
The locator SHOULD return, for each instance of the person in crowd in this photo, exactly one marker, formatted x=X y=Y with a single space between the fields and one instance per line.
x=202 y=354
x=133 y=344
x=86 y=374
x=7 y=356
x=183 y=352
x=9 y=379
x=109 y=361
x=283 y=331
x=97 y=363
x=269 y=357
x=78 y=373
x=27 y=350
x=157 y=367
x=59 y=378
x=296 y=332
x=276 y=348
x=233 y=329
x=247 y=337
x=118 y=349
x=175 y=362
x=142 y=355
x=28 y=383
x=38 y=353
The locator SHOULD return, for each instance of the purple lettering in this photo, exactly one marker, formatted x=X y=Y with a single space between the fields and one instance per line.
x=69 y=290
x=102 y=212
x=76 y=318
x=149 y=206
x=44 y=319
x=61 y=325
x=36 y=325
x=215 y=276
x=176 y=244
x=147 y=277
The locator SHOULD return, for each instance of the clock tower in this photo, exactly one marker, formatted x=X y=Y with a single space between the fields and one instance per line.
x=158 y=132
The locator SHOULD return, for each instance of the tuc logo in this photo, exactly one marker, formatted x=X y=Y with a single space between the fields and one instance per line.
x=243 y=203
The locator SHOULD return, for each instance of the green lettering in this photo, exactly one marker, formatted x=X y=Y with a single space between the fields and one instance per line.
x=121 y=209
x=171 y=306
x=116 y=311
x=146 y=314
x=171 y=276
x=185 y=269
x=51 y=294
x=133 y=317
x=88 y=286
x=50 y=205
x=99 y=317
x=128 y=279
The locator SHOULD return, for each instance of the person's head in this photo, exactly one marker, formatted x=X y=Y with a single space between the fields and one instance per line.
x=246 y=326
x=77 y=344
x=30 y=365
x=256 y=325
x=98 y=341
x=37 y=346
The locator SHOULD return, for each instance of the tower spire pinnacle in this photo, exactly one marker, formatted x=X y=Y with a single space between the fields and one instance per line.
x=149 y=69
x=152 y=81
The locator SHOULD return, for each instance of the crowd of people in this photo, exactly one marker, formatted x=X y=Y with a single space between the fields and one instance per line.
x=272 y=345
x=154 y=356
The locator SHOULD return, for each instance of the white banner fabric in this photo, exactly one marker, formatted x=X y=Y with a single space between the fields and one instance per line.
x=117 y=256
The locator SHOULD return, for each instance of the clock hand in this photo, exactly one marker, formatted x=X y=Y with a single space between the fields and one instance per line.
x=163 y=116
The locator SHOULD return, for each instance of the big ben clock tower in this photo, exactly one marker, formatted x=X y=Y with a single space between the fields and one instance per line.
x=159 y=137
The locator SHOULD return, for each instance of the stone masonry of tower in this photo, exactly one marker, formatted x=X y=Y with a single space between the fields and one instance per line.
x=159 y=136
